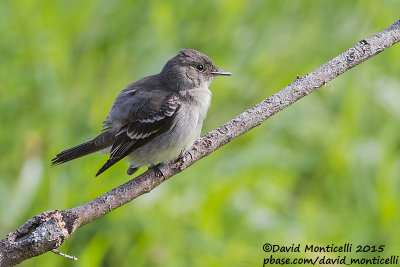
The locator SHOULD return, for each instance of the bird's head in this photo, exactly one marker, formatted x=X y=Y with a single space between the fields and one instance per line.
x=190 y=69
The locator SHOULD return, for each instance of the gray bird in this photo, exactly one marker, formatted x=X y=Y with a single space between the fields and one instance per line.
x=157 y=118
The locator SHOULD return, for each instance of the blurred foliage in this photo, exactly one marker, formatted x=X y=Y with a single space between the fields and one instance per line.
x=325 y=170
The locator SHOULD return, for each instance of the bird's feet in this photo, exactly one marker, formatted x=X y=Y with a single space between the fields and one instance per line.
x=182 y=156
x=132 y=169
x=157 y=169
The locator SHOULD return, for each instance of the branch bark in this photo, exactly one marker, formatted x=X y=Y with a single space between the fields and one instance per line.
x=50 y=229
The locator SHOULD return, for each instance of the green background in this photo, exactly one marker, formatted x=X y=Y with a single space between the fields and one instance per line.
x=324 y=170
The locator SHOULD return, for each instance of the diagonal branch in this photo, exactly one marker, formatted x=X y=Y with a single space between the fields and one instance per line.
x=50 y=229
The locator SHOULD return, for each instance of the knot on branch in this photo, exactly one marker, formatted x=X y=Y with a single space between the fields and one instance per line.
x=40 y=234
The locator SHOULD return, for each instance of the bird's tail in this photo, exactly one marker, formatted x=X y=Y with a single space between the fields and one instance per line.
x=97 y=144
x=107 y=165
x=75 y=152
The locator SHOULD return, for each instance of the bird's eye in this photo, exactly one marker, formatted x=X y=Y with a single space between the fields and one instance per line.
x=200 y=67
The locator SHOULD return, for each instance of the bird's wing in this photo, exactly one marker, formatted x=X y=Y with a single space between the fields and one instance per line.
x=151 y=114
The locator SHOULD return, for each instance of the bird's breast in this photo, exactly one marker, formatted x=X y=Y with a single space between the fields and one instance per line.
x=185 y=131
x=191 y=115
x=199 y=99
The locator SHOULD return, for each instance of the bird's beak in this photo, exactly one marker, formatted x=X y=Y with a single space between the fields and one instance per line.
x=221 y=72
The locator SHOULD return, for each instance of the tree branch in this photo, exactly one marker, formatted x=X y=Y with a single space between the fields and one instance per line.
x=50 y=229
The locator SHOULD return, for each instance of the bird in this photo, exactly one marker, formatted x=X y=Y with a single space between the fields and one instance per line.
x=156 y=118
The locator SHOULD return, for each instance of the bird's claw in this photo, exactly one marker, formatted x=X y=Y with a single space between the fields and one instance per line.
x=182 y=156
x=157 y=169
x=132 y=169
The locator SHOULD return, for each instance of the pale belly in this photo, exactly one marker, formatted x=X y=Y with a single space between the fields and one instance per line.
x=187 y=129
x=169 y=145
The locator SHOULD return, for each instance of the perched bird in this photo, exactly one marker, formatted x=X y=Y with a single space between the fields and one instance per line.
x=157 y=118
